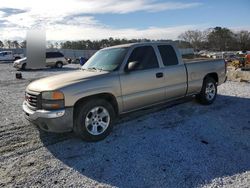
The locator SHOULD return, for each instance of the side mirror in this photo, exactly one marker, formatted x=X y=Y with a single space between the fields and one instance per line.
x=132 y=66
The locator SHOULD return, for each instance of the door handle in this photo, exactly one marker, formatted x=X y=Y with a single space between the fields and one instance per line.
x=159 y=75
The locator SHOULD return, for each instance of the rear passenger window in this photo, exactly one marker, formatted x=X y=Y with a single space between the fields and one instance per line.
x=145 y=56
x=168 y=55
x=54 y=54
x=48 y=55
x=58 y=54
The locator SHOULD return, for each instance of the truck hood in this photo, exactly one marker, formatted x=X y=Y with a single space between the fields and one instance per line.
x=62 y=80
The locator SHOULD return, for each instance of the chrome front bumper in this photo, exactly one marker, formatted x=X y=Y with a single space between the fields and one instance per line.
x=50 y=120
x=33 y=115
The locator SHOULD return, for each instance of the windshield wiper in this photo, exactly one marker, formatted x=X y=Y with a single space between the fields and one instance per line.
x=95 y=68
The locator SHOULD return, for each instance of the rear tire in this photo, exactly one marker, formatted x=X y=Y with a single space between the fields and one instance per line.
x=94 y=119
x=208 y=92
x=59 y=65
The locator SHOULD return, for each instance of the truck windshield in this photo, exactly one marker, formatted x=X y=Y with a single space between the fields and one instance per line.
x=106 y=60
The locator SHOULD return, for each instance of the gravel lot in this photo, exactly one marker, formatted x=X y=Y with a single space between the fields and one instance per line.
x=186 y=145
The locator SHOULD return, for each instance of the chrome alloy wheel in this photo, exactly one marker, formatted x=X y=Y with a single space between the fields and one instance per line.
x=210 y=91
x=97 y=120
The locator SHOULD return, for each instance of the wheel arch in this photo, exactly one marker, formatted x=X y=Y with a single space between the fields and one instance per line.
x=201 y=96
x=59 y=62
x=213 y=75
x=106 y=96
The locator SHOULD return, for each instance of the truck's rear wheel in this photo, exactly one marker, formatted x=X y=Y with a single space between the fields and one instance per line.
x=94 y=119
x=59 y=64
x=208 y=92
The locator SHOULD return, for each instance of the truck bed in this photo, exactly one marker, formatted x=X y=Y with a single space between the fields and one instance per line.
x=197 y=69
x=198 y=59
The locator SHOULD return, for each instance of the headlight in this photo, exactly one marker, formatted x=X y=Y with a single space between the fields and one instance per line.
x=52 y=95
x=52 y=100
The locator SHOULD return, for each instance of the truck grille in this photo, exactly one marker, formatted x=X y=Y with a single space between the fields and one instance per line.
x=32 y=100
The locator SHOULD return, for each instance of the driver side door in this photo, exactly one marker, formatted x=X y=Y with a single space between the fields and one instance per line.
x=143 y=86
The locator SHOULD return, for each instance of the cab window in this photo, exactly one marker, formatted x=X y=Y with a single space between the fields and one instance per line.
x=168 y=55
x=146 y=57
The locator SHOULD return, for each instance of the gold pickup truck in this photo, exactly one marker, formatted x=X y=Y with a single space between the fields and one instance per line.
x=117 y=80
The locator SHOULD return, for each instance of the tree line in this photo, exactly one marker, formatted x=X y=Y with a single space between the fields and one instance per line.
x=12 y=44
x=215 y=39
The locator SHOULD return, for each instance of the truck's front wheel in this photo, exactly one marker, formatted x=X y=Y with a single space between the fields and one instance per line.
x=208 y=92
x=94 y=119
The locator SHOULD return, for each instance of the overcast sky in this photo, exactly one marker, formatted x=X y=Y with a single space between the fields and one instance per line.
x=98 y=19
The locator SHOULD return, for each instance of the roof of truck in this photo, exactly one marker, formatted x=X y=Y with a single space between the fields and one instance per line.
x=138 y=43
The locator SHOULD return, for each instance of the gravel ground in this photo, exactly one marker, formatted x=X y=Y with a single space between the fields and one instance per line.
x=186 y=145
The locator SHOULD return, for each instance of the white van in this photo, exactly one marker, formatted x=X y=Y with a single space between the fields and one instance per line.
x=53 y=59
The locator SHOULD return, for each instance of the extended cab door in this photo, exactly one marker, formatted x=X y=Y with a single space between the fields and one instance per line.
x=144 y=85
x=174 y=71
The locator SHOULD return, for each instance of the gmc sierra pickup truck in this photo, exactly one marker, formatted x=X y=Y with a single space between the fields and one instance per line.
x=117 y=80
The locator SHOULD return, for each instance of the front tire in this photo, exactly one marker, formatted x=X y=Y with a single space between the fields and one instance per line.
x=208 y=92
x=94 y=119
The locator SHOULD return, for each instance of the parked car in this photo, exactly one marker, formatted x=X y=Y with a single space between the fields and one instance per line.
x=202 y=53
x=20 y=63
x=117 y=80
x=53 y=59
x=79 y=60
x=9 y=56
x=69 y=60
